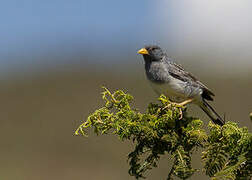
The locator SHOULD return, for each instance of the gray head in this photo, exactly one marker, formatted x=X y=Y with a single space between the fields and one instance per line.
x=152 y=53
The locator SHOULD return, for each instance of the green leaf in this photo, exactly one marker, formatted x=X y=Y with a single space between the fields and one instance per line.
x=165 y=128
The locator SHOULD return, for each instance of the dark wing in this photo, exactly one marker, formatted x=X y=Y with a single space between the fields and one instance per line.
x=178 y=72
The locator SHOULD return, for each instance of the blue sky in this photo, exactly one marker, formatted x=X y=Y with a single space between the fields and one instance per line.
x=31 y=29
x=37 y=32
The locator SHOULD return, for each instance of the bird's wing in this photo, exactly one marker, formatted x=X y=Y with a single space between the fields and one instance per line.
x=178 y=72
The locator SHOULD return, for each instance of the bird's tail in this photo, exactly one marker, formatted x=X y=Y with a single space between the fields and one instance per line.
x=213 y=115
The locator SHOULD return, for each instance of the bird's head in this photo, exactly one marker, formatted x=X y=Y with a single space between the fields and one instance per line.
x=152 y=53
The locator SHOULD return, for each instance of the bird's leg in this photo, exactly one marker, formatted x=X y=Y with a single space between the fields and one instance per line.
x=175 y=104
x=180 y=105
x=170 y=104
x=185 y=102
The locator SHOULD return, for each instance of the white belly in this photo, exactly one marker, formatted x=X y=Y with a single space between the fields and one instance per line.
x=174 y=90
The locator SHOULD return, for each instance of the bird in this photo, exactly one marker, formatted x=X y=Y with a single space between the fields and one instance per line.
x=171 y=79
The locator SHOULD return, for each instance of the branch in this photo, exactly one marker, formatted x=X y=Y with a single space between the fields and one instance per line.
x=161 y=130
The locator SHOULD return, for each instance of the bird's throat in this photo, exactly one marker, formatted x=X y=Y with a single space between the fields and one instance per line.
x=147 y=58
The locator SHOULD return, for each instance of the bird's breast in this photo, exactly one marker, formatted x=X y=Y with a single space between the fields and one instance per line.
x=163 y=83
x=173 y=88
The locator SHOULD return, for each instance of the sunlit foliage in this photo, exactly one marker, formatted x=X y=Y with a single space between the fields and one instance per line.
x=165 y=128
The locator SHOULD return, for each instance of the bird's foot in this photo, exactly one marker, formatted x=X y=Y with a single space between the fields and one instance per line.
x=185 y=102
x=179 y=105
x=173 y=104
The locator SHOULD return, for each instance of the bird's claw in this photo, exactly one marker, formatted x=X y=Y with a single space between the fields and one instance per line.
x=178 y=105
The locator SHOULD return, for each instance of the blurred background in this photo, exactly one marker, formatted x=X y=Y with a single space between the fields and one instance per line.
x=55 y=56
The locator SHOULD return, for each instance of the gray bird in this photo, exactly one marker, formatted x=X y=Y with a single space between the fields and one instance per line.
x=181 y=87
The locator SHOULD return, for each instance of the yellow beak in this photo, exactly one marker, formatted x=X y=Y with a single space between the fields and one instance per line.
x=142 y=51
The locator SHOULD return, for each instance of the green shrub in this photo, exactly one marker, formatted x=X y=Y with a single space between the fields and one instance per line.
x=166 y=128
